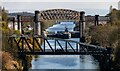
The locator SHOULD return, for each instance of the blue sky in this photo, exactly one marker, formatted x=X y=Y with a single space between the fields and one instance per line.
x=90 y=7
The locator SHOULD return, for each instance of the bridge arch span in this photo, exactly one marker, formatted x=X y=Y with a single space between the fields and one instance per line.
x=59 y=14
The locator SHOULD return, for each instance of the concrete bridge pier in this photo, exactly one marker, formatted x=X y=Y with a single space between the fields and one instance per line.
x=19 y=23
x=82 y=26
x=12 y=23
x=39 y=28
x=37 y=25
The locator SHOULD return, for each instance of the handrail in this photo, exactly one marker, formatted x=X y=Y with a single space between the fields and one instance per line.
x=80 y=48
x=68 y=40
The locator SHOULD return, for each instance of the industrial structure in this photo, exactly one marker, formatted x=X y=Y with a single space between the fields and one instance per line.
x=58 y=15
x=100 y=53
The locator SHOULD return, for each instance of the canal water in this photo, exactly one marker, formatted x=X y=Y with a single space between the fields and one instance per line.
x=64 y=61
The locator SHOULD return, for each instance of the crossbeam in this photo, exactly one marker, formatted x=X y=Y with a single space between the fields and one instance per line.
x=62 y=53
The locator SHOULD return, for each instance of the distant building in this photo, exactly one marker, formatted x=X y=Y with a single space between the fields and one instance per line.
x=119 y=5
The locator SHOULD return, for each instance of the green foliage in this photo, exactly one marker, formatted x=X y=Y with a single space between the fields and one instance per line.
x=4 y=15
x=103 y=35
x=115 y=16
x=117 y=59
x=5 y=36
x=17 y=32
x=109 y=36
x=5 y=31
x=4 y=25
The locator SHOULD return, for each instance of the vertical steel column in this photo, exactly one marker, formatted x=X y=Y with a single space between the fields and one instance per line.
x=66 y=46
x=55 y=45
x=22 y=43
x=23 y=56
x=33 y=44
x=19 y=22
x=77 y=47
x=36 y=23
x=82 y=24
x=13 y=23
x=44 y=45
x=96 y=20
x=22 y=32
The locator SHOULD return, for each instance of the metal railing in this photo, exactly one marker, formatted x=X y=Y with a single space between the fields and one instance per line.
x=24 y=46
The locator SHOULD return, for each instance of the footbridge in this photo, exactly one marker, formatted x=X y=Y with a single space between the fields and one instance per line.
x=65 y=48
x=31 y=45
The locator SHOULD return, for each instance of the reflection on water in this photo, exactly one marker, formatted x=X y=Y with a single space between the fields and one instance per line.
x=64 y=61
x=61 y=27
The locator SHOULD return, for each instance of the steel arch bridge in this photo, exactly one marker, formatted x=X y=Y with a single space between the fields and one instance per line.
x=59 y=14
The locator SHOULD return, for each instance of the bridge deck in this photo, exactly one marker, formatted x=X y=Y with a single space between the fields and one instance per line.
x=61 y=53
